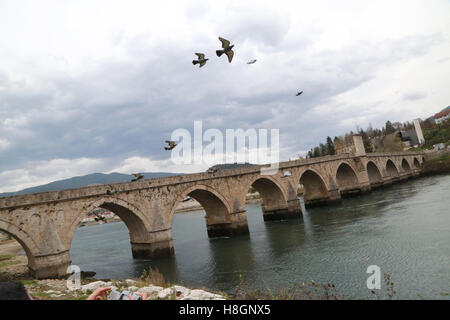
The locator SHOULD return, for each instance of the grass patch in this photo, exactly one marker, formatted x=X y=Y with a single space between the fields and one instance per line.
x=8 y=263
x=5 y=257
x=29 y=282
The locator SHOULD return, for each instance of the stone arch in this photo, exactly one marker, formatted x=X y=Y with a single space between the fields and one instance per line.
x=374 y=173
x=133 y=218
x=391 y=169
x=202 y=192
x=416 y=163
x=136 y=222
x=269 y=189
x=346 y=176
x=217 y=209
x=27 y=243
x=405 y=165
x=315 y=187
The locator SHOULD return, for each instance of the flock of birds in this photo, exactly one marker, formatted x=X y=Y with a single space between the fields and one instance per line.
x=227 y=49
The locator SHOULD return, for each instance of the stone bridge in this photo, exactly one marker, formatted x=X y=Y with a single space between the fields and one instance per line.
x=45 y=223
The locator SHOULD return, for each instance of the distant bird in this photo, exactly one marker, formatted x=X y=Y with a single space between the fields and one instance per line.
x=201 y=59
x=299 y=93
x=111 y=192
x=227 y=49
x=171 y=144
x=212 y=170
x=252 y=61
x=186 y=199
x=138 y=176
x=286 y=174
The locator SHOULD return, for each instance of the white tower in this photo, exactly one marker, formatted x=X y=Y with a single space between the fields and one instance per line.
x=419 y=131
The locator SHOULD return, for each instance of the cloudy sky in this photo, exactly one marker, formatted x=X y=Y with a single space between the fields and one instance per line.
x=97 y=86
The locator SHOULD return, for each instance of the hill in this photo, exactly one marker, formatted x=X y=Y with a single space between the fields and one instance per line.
x=82 y=181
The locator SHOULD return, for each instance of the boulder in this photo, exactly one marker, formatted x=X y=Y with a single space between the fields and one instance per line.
x=93 y=285
x=198 y=294
x=150 y=290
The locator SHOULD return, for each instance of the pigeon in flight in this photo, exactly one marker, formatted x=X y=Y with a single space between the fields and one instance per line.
x=252 y=61
x=212 y=170
x=186 y=199
x=201 y=59
x=111 y=192
x=226 y=48
x=138 y=176
x=171 y=144
x=299 y=93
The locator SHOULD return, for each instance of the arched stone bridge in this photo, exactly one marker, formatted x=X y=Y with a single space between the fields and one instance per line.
x=45 y=223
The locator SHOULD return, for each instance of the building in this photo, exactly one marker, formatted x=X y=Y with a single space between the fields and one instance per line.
x=442 y=116
x=412 y=138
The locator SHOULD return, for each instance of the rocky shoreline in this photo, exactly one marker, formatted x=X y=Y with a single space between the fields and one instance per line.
x=55 y=289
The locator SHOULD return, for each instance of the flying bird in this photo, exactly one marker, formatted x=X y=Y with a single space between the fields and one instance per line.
x=252 y=61
x=186 y=199
x=138 y=176
x=171 y=144
x=111 y=192
x=299 y=93
x=226 y=48
x=201 y=59
x=212 y=170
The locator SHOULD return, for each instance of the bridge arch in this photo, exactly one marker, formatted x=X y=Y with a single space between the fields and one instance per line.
x=391 y=169
x=217 y=209
x=346 y=176
x=416 y=163
x=405 y=165
x=27 y=243
x=315 y=187
x=374 y=173
x=274 y=197
x=135 y=221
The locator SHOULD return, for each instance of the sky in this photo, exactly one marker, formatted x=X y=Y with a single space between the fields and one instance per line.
x=97 y=86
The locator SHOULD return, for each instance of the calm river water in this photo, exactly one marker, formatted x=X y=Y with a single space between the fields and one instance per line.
x=403 y=229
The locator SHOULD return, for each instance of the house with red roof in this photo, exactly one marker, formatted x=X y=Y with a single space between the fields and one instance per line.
x=442 y=116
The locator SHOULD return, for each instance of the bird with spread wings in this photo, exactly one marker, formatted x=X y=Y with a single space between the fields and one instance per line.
x=226 y=48
x=201 y=59
x=171 y=144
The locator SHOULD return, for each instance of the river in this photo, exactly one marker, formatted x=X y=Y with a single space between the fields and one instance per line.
x=404 y=229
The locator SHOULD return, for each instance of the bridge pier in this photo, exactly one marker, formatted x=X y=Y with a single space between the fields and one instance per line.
x=50 y=265
x=293 y=210
x=159 y=244
x=334 y=196
x=237 y=226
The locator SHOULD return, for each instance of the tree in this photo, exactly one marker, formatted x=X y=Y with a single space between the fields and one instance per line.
x=389 y=128
x=323 y=150
x=316 y=152
x=330 y=146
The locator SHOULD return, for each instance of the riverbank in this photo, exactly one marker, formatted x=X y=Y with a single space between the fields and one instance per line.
x=438 y=165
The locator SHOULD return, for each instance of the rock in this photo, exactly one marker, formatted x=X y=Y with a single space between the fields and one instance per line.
x=198 y=294
x=163 y=294
x=129 y=281
x=150 y=290
x=180 y=291
x=93 y=285
x=133 y=288
x=51 y=291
